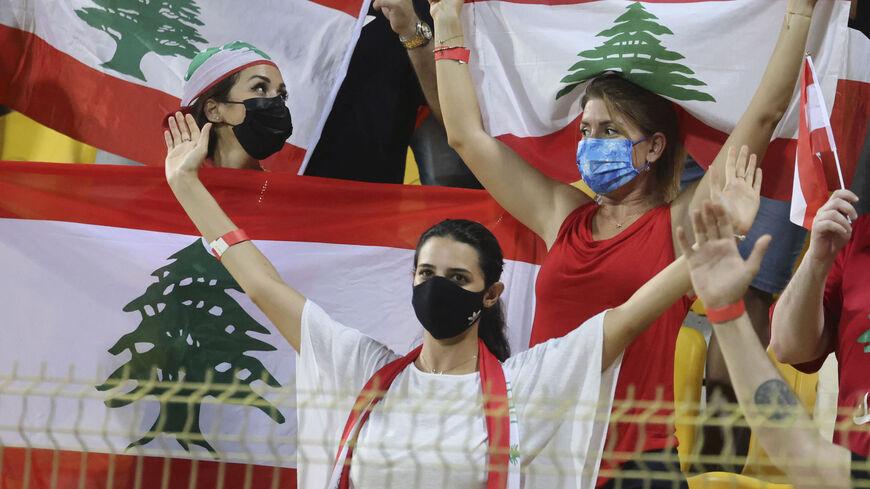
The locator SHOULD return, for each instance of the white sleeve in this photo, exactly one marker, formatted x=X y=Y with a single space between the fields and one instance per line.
x=332 y=366
x=563 y=402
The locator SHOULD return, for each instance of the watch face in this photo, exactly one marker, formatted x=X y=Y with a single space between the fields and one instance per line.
x=424 y=30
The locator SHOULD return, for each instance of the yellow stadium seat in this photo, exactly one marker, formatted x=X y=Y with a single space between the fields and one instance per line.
x=758 y=464
x=23 y=139
x=690 y=357
x=726 y=480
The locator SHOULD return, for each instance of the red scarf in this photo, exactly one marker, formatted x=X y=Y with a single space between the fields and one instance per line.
x=495 y=408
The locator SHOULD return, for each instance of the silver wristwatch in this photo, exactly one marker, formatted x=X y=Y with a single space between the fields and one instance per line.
x=422 y=36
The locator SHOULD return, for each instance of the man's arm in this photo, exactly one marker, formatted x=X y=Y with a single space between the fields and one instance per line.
x=403 y=20
x=720 y=277
x=797 y=329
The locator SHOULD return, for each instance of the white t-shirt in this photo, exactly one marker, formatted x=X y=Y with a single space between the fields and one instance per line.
x=429 y=430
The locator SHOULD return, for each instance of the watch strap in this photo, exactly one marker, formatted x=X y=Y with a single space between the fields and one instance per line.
x=222 y=244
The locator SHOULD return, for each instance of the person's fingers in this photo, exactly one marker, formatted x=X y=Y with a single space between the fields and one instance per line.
x=758 y=251
x=711 y=227
x=828 y=226
x=750 y=168
x=202 y=138
x=723 y=221
x=731 y=164
x=173 y=128
x=683 y=242
x=192 y=127
x=834 y=215
x=699 y=228
x=182 y=126
x=742 y=161
x=168 y=138
x=756 y=184
x=844 y=194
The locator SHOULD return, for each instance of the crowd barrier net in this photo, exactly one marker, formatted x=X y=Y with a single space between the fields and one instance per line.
x=202 y=435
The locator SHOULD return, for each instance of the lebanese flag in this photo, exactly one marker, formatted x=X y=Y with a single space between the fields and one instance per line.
x=530 y=57
x=103 y=271
x=815 y=142
x=107 y=72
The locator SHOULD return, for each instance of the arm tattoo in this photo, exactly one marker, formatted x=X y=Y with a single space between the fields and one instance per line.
x=776 y=400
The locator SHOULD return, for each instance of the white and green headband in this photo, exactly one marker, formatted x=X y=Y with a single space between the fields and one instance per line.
x=212 y=65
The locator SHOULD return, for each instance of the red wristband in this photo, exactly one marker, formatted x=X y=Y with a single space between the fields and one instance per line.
x=457 y=53
x=727 y=313
x=222 y=244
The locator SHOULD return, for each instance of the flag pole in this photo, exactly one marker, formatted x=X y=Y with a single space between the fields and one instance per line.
x=820 y=97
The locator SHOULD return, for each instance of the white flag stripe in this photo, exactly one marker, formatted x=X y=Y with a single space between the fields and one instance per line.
x=520 y=52
x=86 y=274
x=818 y=116
x=309 y=42
x=798 y=203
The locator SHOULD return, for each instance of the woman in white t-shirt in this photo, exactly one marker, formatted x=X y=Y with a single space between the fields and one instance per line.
x=455 y=412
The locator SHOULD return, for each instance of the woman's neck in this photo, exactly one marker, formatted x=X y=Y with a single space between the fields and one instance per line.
x=452 y=356
x=228 y=153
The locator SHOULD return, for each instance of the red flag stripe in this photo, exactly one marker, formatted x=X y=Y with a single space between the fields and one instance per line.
x=48 y=85
x=127 y=468
x=267 y=205
x=555 y=154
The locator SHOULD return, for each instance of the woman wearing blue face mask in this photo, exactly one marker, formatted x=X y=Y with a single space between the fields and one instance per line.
x=599 y=252
x=238 y=89
x=456 y=411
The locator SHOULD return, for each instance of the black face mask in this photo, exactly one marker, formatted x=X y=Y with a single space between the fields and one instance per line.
x=446 y=309
x=266 y=127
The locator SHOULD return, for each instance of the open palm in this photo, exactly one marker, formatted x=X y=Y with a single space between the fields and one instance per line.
x=186 y=145
x=719 y=274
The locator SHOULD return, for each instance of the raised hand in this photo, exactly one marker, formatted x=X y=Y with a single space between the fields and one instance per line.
x=741 y=194
x=832 y=226
x=186 y=145
x=720 y=276
x=401 y=14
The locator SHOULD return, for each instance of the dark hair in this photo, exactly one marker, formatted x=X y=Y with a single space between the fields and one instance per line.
x=220 y=92
x=489 y=256
x=651 y=113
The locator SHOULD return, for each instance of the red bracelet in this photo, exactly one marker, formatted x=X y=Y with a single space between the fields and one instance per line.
x=727 y=313
x=457 y=53
x=222 y=244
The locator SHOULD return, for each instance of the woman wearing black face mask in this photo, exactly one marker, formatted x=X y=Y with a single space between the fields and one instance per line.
x=456 y=411
x=239 y=90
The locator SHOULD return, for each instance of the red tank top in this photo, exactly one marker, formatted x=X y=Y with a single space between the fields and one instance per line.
x=580 y=277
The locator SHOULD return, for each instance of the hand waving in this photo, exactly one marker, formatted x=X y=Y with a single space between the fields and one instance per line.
x=720 y=276
x=186 y=145
x=741 y=194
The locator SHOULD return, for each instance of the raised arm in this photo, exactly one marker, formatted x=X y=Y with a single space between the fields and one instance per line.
x=536 y=200
x=756 y=126
x=797 y=329
x=404 y=20
x=186 y=146
x=624 y=323
x=720 y=277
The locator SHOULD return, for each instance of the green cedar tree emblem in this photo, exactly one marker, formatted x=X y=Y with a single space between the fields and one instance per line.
x=165 y=27
x=191 y=331
x=865 y=338
x=634 y=51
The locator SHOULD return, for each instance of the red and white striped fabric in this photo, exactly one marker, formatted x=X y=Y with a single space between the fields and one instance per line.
x=706 y=55
x=815 y=145
x=107 y=72
x=86 y=254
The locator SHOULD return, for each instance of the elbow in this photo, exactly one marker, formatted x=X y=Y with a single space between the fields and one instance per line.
x=457 y=140
x=780 y=352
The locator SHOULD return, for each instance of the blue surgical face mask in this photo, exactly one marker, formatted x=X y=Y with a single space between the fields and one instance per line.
x=605 y=164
